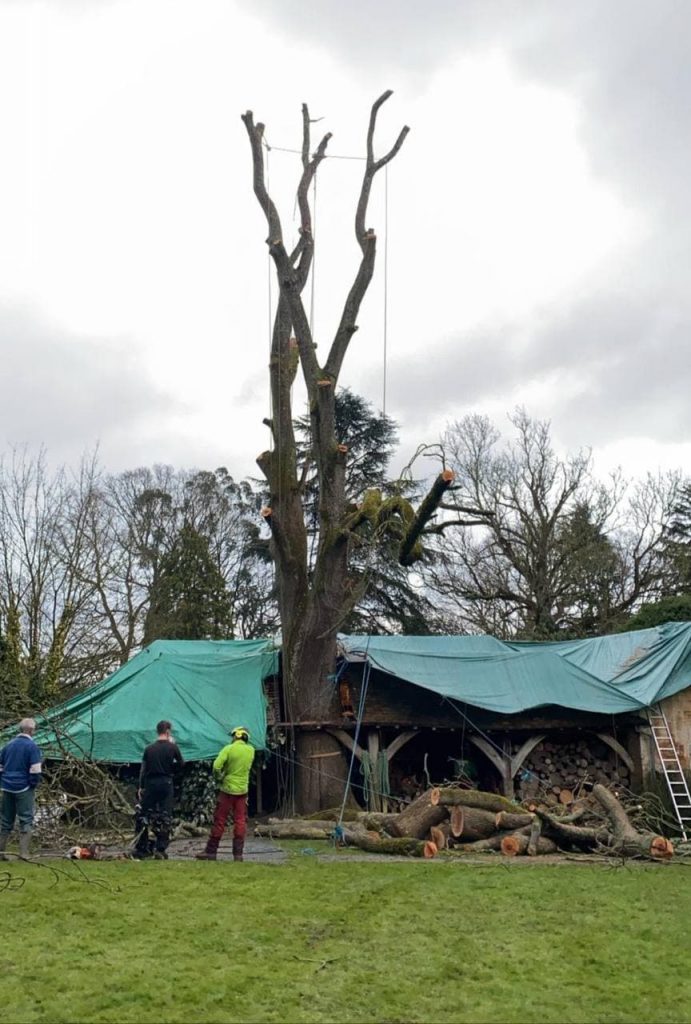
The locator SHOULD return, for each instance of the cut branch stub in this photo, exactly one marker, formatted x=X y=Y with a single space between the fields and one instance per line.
x=411 y=548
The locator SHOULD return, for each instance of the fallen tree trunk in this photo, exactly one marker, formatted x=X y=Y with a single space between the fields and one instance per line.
x=478 y=824
x=450 y=796
x=534 y=837
x=517 y=844
x=569 y=835
x=375 y=820
x=483 y=845
x=295 y=828
x=418 y=818
x=506 y=820
x=371 y=842
x=456 y=820
x=626 y=841
x=439 y=836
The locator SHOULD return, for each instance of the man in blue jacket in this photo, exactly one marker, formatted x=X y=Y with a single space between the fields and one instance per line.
x=20 y=773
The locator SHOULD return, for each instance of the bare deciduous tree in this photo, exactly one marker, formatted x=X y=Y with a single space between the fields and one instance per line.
x=542 y=548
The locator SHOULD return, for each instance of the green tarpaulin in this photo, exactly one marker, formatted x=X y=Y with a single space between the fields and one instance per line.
x=204 y=687
x=609 y=675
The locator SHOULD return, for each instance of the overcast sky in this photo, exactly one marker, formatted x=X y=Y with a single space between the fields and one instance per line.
x=539 y=233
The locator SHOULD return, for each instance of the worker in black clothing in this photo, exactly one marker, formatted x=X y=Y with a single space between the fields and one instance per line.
x=155 y=806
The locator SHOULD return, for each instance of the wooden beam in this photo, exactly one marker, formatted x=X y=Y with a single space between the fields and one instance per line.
x=398 y=742
x=502 y=762
x=347 y=741
x=521 y=754
x=616 y=746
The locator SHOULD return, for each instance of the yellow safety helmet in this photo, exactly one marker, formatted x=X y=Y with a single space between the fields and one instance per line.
x=240 y=733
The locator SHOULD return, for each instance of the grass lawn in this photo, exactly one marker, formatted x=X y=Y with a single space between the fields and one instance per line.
x=352 y=941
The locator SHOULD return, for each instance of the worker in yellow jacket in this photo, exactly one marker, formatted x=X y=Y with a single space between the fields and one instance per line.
x=232 y=775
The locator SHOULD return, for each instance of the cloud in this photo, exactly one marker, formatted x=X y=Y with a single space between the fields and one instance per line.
x=610 y=358
x=70 y=392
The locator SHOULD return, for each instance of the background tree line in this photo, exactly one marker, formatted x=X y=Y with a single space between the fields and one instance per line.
x=530 y=544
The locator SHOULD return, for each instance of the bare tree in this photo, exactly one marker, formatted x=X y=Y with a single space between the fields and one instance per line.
x=542 y=548
x=315 y=600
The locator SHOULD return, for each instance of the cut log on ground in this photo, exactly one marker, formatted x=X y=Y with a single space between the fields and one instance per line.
x=450 y=796
x=456 y=820
x=483 y=845
x=402 y=847
x=479 y=824
x=418 y=818
x=295 y=828
x=534 y=837
x=568 y=835
x=506 y=821
x=375 y=820
x=438 y=836
x=626 y=841
x=517 y=844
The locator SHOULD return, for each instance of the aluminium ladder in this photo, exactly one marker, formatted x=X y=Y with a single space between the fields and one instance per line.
x=669 y=759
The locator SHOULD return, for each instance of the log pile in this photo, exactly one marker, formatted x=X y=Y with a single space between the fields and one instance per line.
x=457 y=822
x=556 y=771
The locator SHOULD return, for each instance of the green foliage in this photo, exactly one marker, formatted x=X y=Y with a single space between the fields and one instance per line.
x=188 y=599
x=352 y=942
x=371 y=439
x=198 y=794
x=380 y=512
x=56 y=656
x=14 y=679
x=668 y=609
x=593 y=571
x=678 y=547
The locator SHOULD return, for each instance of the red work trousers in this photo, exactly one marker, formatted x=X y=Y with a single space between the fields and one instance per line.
x=226 y=804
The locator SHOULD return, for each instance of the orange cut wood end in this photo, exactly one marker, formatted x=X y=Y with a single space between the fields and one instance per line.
x=510 y=846
x=343 y=448
x=457 y=821
x=266 y=512
x=447 y=475
x=435 y=796
x=661 y=848
x=430 y=850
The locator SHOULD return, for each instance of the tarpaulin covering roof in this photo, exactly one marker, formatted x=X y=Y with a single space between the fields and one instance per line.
x=608 y=675
x=204 y=687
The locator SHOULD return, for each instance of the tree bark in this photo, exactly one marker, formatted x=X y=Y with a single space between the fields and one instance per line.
x=474 y=798
x=402 y=847
x=438 y=835
x=517 y=844
x=418 y=818
x=627 y=842
x=506 y=821
x=321 y=781
x=478 y=824
x=375 y=821
x=295 y=829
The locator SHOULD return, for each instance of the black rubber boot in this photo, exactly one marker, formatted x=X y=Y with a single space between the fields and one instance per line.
x=238 y=847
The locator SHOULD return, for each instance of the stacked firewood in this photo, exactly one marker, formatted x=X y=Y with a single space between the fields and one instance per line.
x=557 y=771
x=459 y=822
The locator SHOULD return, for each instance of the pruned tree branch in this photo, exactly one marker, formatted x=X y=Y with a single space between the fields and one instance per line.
x=409 y=551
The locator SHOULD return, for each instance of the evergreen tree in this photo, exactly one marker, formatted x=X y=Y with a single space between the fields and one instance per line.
x=389 y=601
x=14 y=679
x=188 y=599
